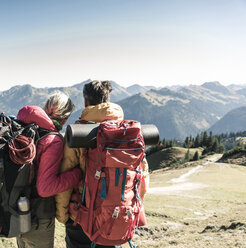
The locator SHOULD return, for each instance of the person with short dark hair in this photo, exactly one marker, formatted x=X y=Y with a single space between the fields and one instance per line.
x=98 y=108
x=97 y=92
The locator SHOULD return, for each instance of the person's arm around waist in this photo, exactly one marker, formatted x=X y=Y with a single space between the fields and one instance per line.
x=49 y=180
x=144 y=186
x=71 y=158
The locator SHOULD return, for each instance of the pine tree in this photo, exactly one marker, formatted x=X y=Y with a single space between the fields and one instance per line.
x=196 y=156
x=220 y=139
x=186 y=142
x=221 y=148
x=192 y=142
x=215 y=146
x=210 y=140
x=187 y=155
x=204 y=138
x=197 y=141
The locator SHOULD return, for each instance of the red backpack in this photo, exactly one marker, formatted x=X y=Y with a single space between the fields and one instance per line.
x=111 y=207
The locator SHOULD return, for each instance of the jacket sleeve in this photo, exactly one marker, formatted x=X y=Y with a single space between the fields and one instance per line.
x=49 y=181
x=71 y=158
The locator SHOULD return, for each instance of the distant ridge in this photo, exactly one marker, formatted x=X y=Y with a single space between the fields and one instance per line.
x=136 y=88
x=233 y=121
x=216 y=86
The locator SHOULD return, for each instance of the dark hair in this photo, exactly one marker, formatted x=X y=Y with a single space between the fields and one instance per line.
x=97 y=92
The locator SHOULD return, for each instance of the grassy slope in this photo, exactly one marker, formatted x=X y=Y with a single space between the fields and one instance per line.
x=164 y=157
x=198 y=218
x=213 y=216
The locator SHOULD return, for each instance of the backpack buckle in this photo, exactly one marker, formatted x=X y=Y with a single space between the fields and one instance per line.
x=129 y=213
x=115 y=213
x=76 y=206
x=98 y=175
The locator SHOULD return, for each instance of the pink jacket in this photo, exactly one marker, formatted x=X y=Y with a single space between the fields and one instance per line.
x=49 y=155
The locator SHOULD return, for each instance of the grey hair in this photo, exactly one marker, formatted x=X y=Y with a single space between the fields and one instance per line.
x=97 y=92
x=59 y=106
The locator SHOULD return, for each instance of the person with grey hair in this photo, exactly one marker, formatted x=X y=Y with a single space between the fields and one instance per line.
x=59 y=107
x=49 y=154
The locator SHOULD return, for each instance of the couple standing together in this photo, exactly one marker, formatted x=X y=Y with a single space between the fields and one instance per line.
x=60 y=168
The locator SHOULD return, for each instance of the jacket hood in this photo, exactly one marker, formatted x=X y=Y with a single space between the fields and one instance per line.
x=35 y=114
x=102 y=112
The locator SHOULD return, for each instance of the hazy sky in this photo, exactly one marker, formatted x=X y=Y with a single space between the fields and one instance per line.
x=149 y=42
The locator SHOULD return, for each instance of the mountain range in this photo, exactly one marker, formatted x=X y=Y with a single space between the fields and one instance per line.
x=18 y=96
x=177 y=111
x=184 y=111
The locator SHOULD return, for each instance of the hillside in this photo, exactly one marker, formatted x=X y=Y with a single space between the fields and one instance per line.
x=233 y=121
x=236 y=155
x=237 y=158
x=169 y=157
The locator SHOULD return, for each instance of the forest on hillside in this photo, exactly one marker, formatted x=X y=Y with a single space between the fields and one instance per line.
x=227 y=143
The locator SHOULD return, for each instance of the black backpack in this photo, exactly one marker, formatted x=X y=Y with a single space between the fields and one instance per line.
x=18 y=175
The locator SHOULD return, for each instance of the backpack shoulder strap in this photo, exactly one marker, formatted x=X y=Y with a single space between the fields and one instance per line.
x=42 y=133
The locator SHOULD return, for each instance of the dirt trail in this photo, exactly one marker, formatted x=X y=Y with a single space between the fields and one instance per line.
x=182 y=183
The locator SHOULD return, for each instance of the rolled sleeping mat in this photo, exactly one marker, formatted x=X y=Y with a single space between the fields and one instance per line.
x=84 y=135
x=150 y=134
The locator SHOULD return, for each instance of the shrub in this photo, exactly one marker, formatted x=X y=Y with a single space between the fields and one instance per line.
x=196 y=156
x=233 y=151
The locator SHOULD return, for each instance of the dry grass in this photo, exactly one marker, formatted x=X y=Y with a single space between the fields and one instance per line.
x=170 y=156
x=213 y=216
